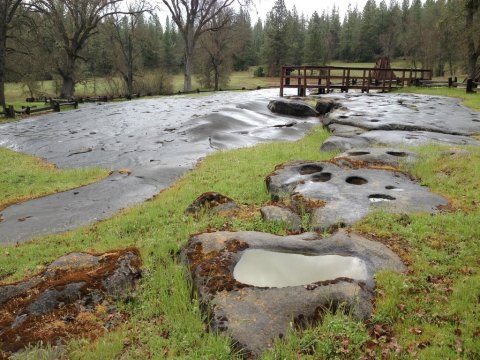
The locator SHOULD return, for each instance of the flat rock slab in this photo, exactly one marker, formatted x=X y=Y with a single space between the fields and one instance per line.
x=64 y=300
x=395 y=138
x=158 y=140
x=255 y=316
x=378 y=155
x=406 y=112
x=339 y=196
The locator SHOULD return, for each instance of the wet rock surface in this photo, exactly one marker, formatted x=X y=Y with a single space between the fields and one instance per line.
x=292 y=108
x=399 y=119
x=255 y=316
x=337 y=196
x=406 y=112
x=211 y=202
x=72 y=297
x=282 y=214
x=378 y=155
x=395 y=138
x=152 y=138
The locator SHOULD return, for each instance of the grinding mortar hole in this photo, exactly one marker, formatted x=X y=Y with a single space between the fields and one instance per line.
x=358 y=153
x=310 y=169
x=356 y=180
x=380 y=197
x=322 y=177
x=397 y=153
x=374 y=120
x=390 y=187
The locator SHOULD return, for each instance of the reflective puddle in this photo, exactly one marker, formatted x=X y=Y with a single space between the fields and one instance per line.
x=264 y=268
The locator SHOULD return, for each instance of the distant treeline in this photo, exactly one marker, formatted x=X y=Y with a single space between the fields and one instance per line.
x=141 y=51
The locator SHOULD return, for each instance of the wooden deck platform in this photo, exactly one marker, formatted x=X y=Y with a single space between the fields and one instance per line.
x=328 y=78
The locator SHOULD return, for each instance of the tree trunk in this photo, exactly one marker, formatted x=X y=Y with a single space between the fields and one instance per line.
x=130 y=67
x=68 y=87
x=472 y=53
x=216 y=78
x=130 y=80
x=3 y=53
x=189 y=49
x=68 y=77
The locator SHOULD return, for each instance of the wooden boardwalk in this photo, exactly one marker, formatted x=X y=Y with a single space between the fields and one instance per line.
x=328 y=78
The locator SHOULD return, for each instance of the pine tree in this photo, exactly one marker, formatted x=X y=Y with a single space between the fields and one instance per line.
x=275 y=47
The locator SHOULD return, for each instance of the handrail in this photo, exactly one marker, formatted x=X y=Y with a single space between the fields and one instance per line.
x=327 y=78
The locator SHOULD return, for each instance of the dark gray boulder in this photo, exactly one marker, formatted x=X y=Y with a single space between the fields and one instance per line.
x=292 y=108
x=324 y=106
x=50 y=306
x=211 y=202
x=255 y=316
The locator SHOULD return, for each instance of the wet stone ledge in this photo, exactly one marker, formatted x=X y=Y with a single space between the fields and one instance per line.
x=254 y=303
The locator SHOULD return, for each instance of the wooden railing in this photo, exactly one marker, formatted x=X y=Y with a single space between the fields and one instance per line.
x=328 y=78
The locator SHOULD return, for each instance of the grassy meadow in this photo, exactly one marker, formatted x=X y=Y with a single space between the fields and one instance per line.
x=430 y=312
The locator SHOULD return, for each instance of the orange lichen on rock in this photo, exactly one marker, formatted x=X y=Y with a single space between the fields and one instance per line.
x=65 y=300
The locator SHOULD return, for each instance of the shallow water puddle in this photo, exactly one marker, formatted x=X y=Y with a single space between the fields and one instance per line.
x=264 y=268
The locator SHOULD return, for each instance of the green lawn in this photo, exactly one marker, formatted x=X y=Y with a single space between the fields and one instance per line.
x=24 y=177
x=429 y=312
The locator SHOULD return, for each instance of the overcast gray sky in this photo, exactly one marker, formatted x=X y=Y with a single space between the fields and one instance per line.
x=306 y=7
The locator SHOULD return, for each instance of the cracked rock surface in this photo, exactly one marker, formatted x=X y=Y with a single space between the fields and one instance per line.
x=399 y=119
x=406 y=112
x=338 y=196
x=255 y=316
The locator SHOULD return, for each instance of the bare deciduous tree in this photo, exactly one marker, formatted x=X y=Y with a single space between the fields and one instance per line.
x=125 y=28
x=72 y=22
x=7 y=12
x=193 y=18
x=217 y=48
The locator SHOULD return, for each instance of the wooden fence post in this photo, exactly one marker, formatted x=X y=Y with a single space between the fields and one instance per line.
x=470 y=86
x=10 y=112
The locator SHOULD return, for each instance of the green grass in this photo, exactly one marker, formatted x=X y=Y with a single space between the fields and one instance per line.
x=24 y=177
x=431 y=310
x=470 y=100
x=16 y=94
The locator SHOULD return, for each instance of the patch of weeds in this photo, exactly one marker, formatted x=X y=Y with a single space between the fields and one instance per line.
x=337 y=336
x=40 y=351
x=431 y=307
